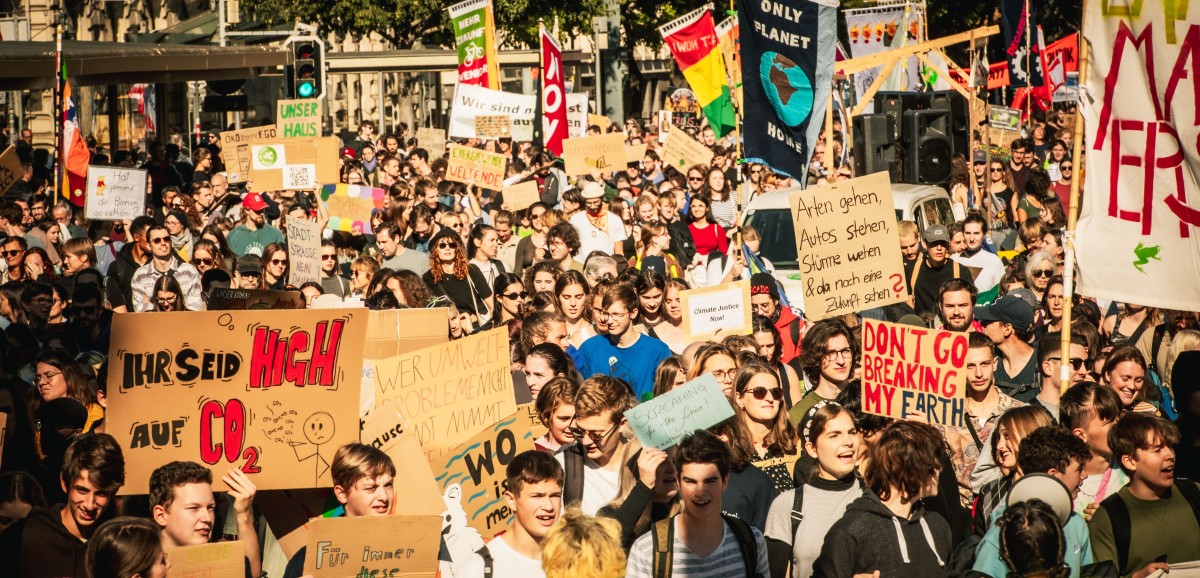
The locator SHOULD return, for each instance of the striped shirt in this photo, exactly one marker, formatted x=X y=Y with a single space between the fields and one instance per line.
x=724 y=562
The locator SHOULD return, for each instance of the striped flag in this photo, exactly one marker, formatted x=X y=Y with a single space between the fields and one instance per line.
x=694 y=44
x=75 y=155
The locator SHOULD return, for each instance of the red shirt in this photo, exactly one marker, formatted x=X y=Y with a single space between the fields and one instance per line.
x=709 y=238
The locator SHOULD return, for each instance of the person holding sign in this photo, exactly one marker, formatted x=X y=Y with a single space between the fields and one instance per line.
x=592 y=465
x=622 y=352
x=534 y=494
x=181 y=501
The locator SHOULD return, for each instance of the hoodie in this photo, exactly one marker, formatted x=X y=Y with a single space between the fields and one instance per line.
x=870 y=537
x=120 y=277
x=40 y=546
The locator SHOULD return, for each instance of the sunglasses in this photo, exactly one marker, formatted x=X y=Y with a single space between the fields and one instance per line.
x=278 y=261
x=158 y=240
x=1076 y=362
x=12 y=253
x=85 y=309
x=449 y=245
x=520 y=295
x=695 y=179
x=1043 y=272
x=1065 y=167
x=997 y=170
x=596 y=437
x=760 y=393
x=328 y=257
x=205 y=262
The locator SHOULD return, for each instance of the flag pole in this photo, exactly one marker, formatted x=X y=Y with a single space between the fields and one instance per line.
x=1064 y=372
x=55 y=178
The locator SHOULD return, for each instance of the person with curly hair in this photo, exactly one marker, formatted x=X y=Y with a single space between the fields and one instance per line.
x=451 y=275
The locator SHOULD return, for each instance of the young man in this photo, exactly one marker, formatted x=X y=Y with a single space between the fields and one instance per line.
x=1050 y=362
x=910 y=244
x=362 y=483
x=764 y=299
x=182 y=504
x=599 y=229
x=829 y=354
x=395 y=255
x=956 y=305
x=1047 y=450
x=13 y=250
x=991 y=269
x=1089 y=410
x=534 y=494
x=1007 y=322
x=1018 y=165
x=164 y=262
x=700 y=541
x=592 y=464
x=133 y=255
x=253 y=234
x=52 y=542
x=622 y=352
x=1153 y=521
x=936 y=268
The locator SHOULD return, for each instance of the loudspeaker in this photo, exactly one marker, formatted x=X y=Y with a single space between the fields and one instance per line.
x=894 y=104
x=960 y=119
x=875 y=145
x=926 y=135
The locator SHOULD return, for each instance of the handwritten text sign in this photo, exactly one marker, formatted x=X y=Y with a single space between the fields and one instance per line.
x=602 y=152
x=908 y=370
x=449 y=392
x=215 y=560
x=682 y=151
x=304 y=251
x=114 y=194
x=299 y=118
x=273 y=393
x=231 y=299
x=476 y=167
x=519 y=196
x=663 y=421
x=846 y=246
x=386 y=429
x=373 y=546
x=235 y=149
x=350 y=206
x=433 y=140
x=11 y=169
x=492 y=126
x=717 y=311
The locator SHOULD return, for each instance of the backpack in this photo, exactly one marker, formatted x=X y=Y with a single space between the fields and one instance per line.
x=663 y=537
x=573 y=467
x=1118 y=516
x=487 y=561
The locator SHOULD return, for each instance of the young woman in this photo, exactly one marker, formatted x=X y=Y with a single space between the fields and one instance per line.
x=1011 y=428
x=1128 y=323
x=648 y=492
x=529 y=245
x=1051 y=312
x=58 y=375
x=482 y=246
x=670 y=330
x=720 y=362
x=545 y=362
x=542 y=276
x=960 y=188
x=758 y=401
x=58 y=305
x=1125 y=372
x=1037 y=188
x=652 y=255
x=510 y=296
x=766 y=336
x=556 y=409
x=362 y=270
x=275 y=266
x=572 y=291
x=1001 y=188
x=38 y=266
x=649 y=286
x=127 y=547
x=451 y=275
x=669 y=375
x=214 y=234
x=707 y=235
x=724 y=206
x=168 y=295
x=731 y=267
x=78 y=254
x=181 y=235
x=205 y=256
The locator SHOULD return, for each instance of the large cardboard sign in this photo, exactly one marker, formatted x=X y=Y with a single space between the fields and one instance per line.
x=714 y=312
x=273 y=393
x=682 y=151
x=350 y=206
x=391 y=332
x=433 y=140
x=472 y=477
x=115 y=194
x=449 y=392
x=663 y=421
x=601 y=152
x=846 y=246
x=215 y=560
x=235 y=149
x=304 y=251
x=519 y=196
x=230 y=299
x=298 y=118
x=387 y=430
x=373 y=546
x=11 y=169
x=294 y=163
x=471 y=101
x=477 y=167
x=492 y=126
x=910 y=370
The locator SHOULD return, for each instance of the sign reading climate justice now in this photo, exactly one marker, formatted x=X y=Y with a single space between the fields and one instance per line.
x=846 y=246
x=914 y=370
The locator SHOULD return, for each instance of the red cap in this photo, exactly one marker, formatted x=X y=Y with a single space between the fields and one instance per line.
x=350 y=152
x=254 y=202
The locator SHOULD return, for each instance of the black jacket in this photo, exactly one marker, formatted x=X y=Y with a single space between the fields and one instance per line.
x=120 y=278
x=40 y=546
x=869 y=538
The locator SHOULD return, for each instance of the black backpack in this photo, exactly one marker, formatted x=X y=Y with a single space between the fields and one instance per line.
x=573 y=468
x=663 y=538
x=487 y=561
x=1118 y=517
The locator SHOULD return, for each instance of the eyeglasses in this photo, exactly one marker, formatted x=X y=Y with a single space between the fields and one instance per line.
x=832 y=355
x=46 y=376
x=760 y=393
x=606 y=315
x=520 y=295
x=597 y=438
x=158 y=240
x=695 y=179
x=12 y=253
x=1065 y=167
x=724 y=375
x=278 y=261
x=166 y=300
x=447 y=245
x=1043 y=272
x=1076 y=362
x=200 y=261
x=178 y=205
x=43 y=301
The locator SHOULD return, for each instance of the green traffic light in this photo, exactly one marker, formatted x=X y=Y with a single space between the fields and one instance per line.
x=306 y=89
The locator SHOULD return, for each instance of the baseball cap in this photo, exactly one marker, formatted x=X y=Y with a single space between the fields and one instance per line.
x=764 y=284
x=979 y=157
x=1046 y=488
x=592 y=190
x=350 y=152
x=937 y=233
x=254 y=202
x=249 y=264
x=1011 y=309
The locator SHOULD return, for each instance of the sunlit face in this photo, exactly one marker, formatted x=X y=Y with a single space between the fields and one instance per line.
x=160 y=243
x=673 y=304
x=537 y=373
x=543 y=281
x=938 y=252
x=910 y=246
x=173 y=225
x=86 y=502
x=560 y=424
x=763 y=304
x=981 y=370
x=51 y=382
x=13 y=255
x=647 y=212
x=1153 y=466
x=973 y=236
x=761 y=410
x=167 y=300
x=600 y=438
x=369 y=496
x=445 y=249
x=957 y=310
x=1006 y=448
x=700 y=489
x=489 y=244
x=838 y=361
x=667 y=211
x=559 y=251
x=766 y=344
x=651 y=301
x=536 y=506
x=618 y=318
x=996 y=171
x=724 y=369
x=1054 y=300
x=73 y=264
x=203 y=260
x=188 y=520
x=573 y=301
x=836 y=448
x=1041 y=274
x=716 y=180
x=699 y=208
x=1127 y=379
x=277 y=264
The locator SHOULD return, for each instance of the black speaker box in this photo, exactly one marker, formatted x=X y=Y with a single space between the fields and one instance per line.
x=929 y=146
x=875 y=145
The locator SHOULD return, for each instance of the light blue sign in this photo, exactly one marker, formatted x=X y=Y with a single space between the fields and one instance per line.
x=663 y=421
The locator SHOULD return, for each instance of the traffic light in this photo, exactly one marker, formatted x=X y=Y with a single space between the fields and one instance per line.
x=306 y=75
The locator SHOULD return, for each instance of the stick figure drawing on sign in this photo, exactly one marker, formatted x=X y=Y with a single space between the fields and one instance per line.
x=318 y=430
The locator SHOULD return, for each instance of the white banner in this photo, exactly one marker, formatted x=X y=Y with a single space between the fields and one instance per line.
x=874 y=30
x=114 y=194
x=1138 y=237
x=471 y=101
x=577 y=114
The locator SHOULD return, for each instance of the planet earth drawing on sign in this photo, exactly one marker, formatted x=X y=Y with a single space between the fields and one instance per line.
x=787 y=86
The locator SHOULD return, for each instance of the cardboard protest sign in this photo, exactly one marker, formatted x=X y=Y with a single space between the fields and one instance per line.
x=375 y=546
x=433 y=140
x=350 y=206
x=274 y=393
x=229 y=299
x=114 y=194
x=845 y=244
x=598 y=120
x=11 y=169
x=472 y=101
x=635 y=153
x=386 y=429
x=472 y=477
x=288 y=511
x=235 y=149
x=391 y=332
x=908 y=370
x=602 y=152
x=717 y=311
x=492 y=126
x=450 y=391
x=478 y=167
x=519 y=196
x=214 y=560
x=293 y=163
x=298 y=118
x=682 y=151
x=304 y=251
x=663 y=421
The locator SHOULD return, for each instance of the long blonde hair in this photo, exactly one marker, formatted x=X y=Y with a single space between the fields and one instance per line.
x=582 y=546
x=1185 y=340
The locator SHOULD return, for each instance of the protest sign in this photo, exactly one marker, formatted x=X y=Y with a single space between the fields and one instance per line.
x=907 y=370
x=472 y=101
x=298 y=118
x=1004 y=118
x=473 y=166
x=663 y=421
x=373 y=546
x=391 y=332
x=350 y=206
x=475 y=41
x=450 y=391
x=293 y=163
x=602 y=152
x=635 y=153
x=717 y=311
x=230 y=299
x=577 y=114
x=472 y=477
x=274 y=393
x=214 y=560
x=519 y=196
x=11 y=169
x=386 y=430
x=433 y=140
x=598 y=120
x=846 y=246
x=115 y=194
x=304 y=251
x=492 y=126
x=235 y=149
x=682 y=151
x=288 y=511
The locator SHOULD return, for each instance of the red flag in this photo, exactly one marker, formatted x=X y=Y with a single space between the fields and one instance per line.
x=75 y=155
x=554 y=95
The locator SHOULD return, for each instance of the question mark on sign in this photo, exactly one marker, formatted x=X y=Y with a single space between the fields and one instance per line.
x=226 y=321
x=899 y=282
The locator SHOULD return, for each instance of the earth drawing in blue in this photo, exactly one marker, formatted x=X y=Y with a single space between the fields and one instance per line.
x=787 y=87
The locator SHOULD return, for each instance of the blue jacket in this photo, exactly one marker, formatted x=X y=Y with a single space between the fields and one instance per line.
x=1075 y=536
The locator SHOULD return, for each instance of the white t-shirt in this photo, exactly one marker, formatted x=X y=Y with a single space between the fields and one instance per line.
x=506 y=563
x=600 y=486
x=724 y=562
x=991 y=268
x=593 y=239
